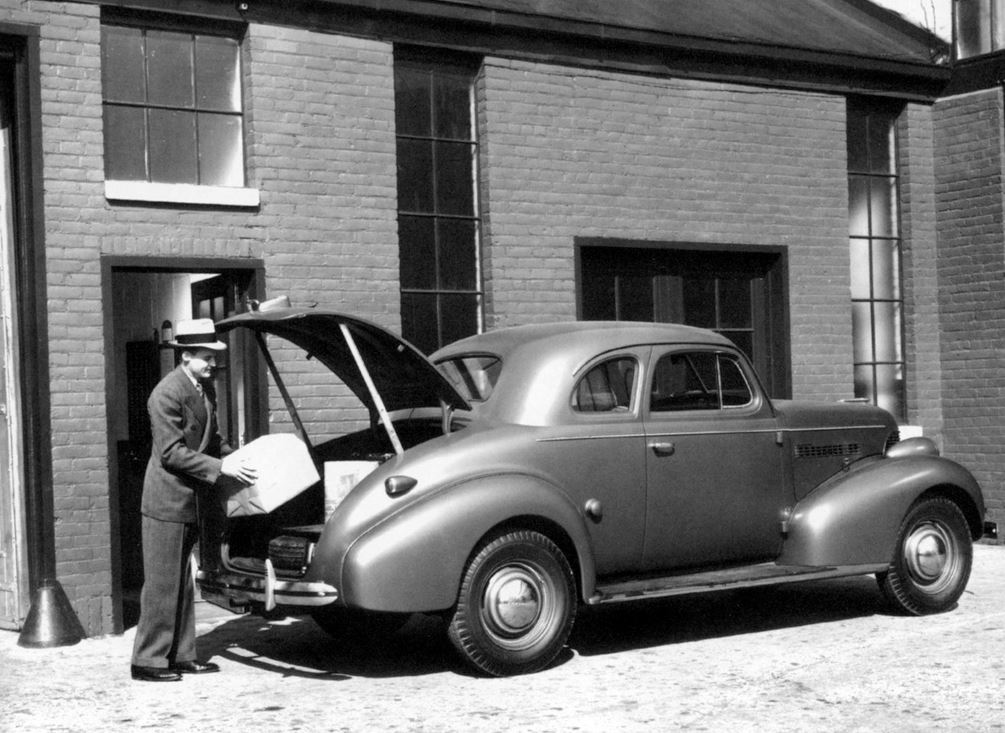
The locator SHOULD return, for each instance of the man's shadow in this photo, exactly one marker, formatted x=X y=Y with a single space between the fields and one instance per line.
x=298 y=647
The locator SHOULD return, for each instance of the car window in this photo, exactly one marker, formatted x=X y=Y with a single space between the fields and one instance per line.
x=698 y=380
x=473 y=376
x=607 y=387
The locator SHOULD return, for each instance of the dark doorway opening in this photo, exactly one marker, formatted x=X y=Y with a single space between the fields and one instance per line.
x=147 y=298
x=739 y=292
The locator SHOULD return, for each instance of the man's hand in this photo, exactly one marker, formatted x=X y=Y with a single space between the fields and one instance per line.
x=239 y=468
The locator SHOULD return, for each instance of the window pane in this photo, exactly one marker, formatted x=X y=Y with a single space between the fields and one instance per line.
x=862 y=331
x=458 y=317
x=699 y=303
x=415 y=175
x=735 y=309
x=217 y=81
x=880 y=143
x=125 y=134
x=882 y=195
x=221 y=162
x=169 y=69
x=606 y=388
x=122 y=64
x=858 y=147
x=735 y=390
x=744 y=341
x=858 y=206
x=887 y=329
x=635 y=297
x=412 y=93
x=889 y=388
x=417 y=252
x=885 y=269
x=861 y=282
x=458 y=259
x=454 y=180
x=418 y=321
x=172 y=147
x=864 y=381
x=452 y=107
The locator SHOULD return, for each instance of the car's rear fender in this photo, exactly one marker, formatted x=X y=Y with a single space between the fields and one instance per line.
x=413 y=560
x=853 y=519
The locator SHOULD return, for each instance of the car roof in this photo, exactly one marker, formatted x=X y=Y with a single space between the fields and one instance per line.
x=541 y=362
x=589 y=337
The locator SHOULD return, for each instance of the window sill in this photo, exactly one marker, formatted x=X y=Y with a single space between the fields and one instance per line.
x=181 y=193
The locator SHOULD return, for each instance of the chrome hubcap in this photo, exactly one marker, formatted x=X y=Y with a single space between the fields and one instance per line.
x=930 y=555
x=516 y=600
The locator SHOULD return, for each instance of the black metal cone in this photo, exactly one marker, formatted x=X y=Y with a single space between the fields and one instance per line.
x=51 y=620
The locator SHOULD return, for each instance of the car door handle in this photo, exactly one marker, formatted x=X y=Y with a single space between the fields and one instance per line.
x=662 y=449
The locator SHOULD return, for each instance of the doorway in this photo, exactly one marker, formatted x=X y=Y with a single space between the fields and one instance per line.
x=736 y=291
x=147 y=299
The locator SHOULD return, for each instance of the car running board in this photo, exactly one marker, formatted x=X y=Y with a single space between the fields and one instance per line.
x=747 y=576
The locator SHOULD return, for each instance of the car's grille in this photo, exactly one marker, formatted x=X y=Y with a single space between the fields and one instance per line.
x=812 y=450
x=290 y=555
x=893 y=439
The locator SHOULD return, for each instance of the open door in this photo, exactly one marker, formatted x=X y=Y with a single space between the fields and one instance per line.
x=13 y=563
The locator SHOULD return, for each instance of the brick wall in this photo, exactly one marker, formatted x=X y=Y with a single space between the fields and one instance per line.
x=968 y=172
x=920 y=287
x=572 y=153
x=320 y=148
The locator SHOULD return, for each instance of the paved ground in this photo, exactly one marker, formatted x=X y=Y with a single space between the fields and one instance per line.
x=822 y=656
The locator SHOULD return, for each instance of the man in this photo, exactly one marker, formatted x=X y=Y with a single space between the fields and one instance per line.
x=188 y=457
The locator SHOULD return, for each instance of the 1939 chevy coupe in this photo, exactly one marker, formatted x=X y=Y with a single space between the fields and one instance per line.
x=518 y=474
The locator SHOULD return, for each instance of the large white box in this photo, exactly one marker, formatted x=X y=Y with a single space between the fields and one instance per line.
x=285 y=469
x=341 y=477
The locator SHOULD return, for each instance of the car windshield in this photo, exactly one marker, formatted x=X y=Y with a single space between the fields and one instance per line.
x=474 y=376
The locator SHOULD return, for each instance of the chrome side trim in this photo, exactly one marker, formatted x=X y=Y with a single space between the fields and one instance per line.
x=685 y=433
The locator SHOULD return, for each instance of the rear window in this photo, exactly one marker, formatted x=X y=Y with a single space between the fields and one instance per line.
x=473 y=376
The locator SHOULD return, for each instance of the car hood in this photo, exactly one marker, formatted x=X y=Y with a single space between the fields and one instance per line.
x=401 y=374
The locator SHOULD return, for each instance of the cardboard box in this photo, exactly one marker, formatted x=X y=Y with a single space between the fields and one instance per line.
x=285 y=469
x=341 y=477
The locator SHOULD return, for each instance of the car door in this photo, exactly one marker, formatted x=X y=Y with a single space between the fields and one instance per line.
x=715 y=489
x=597 y=453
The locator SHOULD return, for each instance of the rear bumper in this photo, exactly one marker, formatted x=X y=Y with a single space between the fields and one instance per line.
x=238 y=591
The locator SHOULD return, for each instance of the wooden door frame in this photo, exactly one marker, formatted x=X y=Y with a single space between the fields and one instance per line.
x=110 y=265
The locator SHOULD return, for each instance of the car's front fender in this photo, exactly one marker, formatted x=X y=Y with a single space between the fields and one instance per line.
x=854 y=518
x=412 y=561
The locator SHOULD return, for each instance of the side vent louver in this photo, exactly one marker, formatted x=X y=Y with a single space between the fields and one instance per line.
x=838 y=450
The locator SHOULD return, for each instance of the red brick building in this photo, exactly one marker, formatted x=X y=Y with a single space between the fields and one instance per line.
x=814 y=178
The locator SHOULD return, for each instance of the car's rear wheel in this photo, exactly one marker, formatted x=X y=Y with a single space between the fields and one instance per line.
x=931 y=565
x=516 y=605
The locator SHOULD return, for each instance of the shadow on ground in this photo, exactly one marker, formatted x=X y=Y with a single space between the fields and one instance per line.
x=297 y=647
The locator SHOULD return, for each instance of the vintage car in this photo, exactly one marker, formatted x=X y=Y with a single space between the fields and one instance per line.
x=518 y=474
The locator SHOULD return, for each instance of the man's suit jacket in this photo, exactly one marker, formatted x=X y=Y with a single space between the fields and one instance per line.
x=180 y=421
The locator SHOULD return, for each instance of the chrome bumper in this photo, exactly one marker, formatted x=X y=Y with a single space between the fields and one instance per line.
x=234 y=590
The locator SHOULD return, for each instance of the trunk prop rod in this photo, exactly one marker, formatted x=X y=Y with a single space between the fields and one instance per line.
x=291 y=408
x=374 y=394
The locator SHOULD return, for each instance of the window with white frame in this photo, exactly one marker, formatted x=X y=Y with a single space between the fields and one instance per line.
x=173 y=117
x=874 y=238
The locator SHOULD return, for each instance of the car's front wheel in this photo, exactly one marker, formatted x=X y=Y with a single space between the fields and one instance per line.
x=516 y=605
x=931 y=565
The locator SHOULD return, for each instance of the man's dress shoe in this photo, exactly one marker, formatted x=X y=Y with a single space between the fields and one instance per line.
x=154 y=674
x=194 y=667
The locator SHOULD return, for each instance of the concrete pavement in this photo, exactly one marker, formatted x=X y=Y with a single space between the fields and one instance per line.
x=821 y=656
